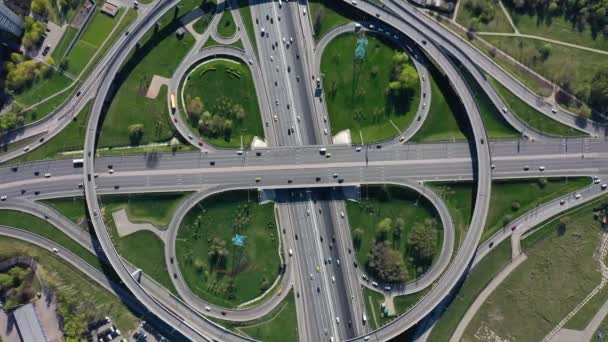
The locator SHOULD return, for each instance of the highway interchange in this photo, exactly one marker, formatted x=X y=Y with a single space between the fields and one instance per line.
x=309 y=208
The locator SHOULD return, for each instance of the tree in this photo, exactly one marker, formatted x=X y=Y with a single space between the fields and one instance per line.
x=357 y=236
x=563 y=224
x=6 y=281
x=422 y=241
x=386 y=264
x=398 y=227
x=40 y=7
x=515 y=206
x=136 y=133
x=218 y=252
x=598 y=97
x=194 y=109
x=545 y=51
x=383 y=227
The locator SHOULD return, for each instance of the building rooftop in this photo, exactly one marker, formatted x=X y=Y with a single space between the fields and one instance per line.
x=28 y=324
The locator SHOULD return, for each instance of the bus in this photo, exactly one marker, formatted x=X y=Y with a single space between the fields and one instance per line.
x=78 y=162
x=173 y=106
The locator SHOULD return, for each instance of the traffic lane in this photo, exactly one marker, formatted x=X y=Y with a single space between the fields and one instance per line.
x=316 y=305
x=349 y=268
x=165 y=180
x=301 y=155
x=342 y=288
x=297 y=73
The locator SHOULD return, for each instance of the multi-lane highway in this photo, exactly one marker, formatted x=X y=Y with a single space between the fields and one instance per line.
x=313 y=227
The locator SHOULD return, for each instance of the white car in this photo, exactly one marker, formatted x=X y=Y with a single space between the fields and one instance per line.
x=55 y=250
x=541 y=168
x=47 y=175
x=290 y=252
x=596 y=180
x=3 y=198
x=325 y=131
x=271 y=58
x=504 y=109
x=250 y=62
x=604 y=186
x=207 y=308
x=342 y=214
x=26 y=148
x=577 y=196
x=111 y=171
x=333 y=279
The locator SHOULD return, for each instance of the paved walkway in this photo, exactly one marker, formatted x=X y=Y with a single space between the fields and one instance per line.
x=599 y=256
x=155 y=84
x=508 y=16
x=568 y=335
x=549 y=40
x=481 y=298
x=125 y=227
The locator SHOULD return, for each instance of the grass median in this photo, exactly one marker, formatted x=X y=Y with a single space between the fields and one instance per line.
x=226 y=28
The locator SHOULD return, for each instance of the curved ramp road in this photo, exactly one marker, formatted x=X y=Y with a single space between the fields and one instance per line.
x=454 y=44
x=189 y=64
x=183 y=319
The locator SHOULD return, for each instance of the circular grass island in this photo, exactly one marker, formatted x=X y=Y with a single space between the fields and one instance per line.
x=219 y=103
x=375 y=95
x=215 y=267
x=397 y=233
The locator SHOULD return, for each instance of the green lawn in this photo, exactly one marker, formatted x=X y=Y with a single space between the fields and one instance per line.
x=559 y=273
x=217 y=80
x=42 y=89
x=328 y=14
x=248 y=21
x=468 y=19
x=97 y=30
x=226 y=27
x=373 y=306
x=200 y=26
x=94 y=301
x=159 y=54
x=446 y=120
x=495 y=124
x=280 y=325
x=355 y=91
x=38 y=226
x=157 y=209
x=143 y=249
x=558 y=28
x=73 y=208
x=466 y=294
x=64 y=42
x=69 y=139
x=251 y=268
x=44 y=109
x=529 y=193
x=532 y=117
x=460 y=199
x=378 y=203
x=562 y=64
